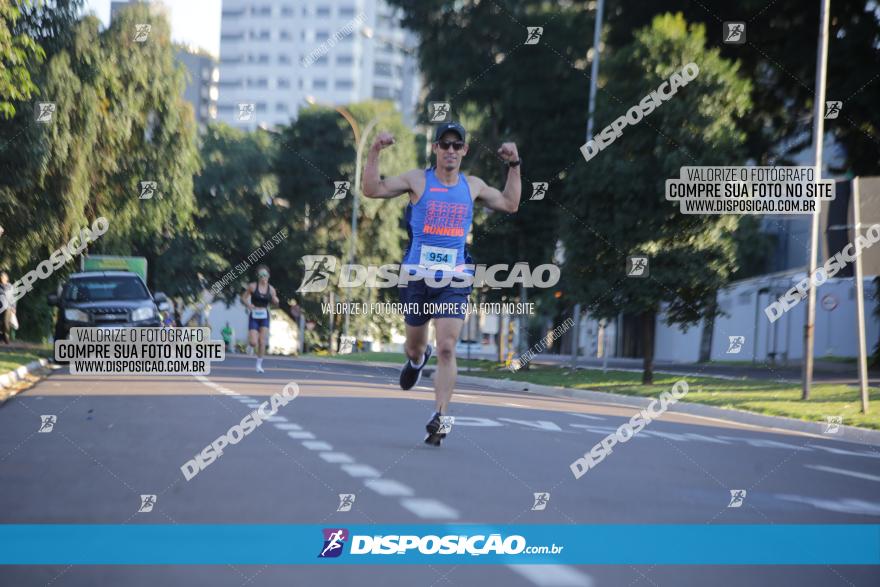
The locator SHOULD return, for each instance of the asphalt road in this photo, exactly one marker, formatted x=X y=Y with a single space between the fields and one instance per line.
x=351 y=430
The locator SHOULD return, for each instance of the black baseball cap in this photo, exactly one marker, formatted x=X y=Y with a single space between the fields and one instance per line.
x=451 y=126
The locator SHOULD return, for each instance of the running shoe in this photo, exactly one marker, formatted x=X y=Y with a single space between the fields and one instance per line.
x=432 y=427
x=409 y=375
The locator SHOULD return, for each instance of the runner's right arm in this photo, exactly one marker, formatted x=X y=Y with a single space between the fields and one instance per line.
x=246 y=296
x=390 y=187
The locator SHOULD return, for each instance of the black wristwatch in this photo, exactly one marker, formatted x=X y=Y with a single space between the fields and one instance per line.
x=514 y=163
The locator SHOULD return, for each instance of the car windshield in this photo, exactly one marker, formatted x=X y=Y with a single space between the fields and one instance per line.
x=98 y=289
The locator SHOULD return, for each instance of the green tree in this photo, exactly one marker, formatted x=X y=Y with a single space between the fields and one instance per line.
x=237 y=210
x=18 y=53
x=473 y=55
x=148 y=132
x=617 y=201
x=316 y=150
x=780 y=58
x=119 y=119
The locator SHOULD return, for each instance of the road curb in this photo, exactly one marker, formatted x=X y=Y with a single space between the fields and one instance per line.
x=845 y=433
x=16 y=375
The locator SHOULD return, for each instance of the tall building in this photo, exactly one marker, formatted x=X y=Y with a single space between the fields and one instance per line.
x=201 y=86
x=277 y=56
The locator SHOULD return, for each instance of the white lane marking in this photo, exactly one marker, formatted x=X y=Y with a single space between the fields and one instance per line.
x=539 y=424
x=553 y=575
x=301 y=435
x=764 y=443
x=849 y=453
x=429 y=508
x=667 y=435
x=587 y=416
x=476 y=421
x=224 y=390
x=837 y=471
x=603 y=430
x=842 y=506
x=288 y=426
x=515 y=405
x=704 y=438
x=388 y=487
x=336 y=457
x=277 y=419
x=316 y=445
x=356 y=470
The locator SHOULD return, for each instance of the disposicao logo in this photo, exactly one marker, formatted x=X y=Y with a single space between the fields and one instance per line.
x=334 y=541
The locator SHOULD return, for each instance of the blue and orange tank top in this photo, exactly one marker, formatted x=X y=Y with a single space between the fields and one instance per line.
x=438 y=226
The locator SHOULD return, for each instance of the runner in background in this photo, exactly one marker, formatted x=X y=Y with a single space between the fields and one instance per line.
x=256 y=298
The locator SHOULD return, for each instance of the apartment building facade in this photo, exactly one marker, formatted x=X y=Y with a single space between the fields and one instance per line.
x=278 y=56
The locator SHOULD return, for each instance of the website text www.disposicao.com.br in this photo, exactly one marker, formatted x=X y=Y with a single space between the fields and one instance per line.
x=430 y=544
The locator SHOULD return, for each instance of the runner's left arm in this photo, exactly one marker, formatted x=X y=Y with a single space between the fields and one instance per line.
x=508 y=199
x=274 y=297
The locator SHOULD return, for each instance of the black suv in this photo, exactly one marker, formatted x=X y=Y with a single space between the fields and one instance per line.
x=106 y=298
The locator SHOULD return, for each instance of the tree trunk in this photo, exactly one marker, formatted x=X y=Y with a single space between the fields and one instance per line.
x=524 y=326
x=648 y=323
x=708 y=332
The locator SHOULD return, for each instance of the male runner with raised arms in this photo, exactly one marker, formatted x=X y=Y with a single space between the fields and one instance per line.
x=439 y=215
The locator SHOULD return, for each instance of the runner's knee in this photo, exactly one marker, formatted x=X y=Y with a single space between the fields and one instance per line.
x=445 y=351
x=414 y=350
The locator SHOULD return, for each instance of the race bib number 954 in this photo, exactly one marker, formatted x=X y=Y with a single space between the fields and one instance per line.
x=437 y=258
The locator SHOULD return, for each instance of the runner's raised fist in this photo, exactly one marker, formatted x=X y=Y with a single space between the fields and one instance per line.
x=383 y=140
x=508 y=152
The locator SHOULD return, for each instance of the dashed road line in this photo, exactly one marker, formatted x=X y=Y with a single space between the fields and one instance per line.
x=429 y=508
x=422 y=507
x=316 y=445
x=336 y=457
x=358 y=470
x=289 y=426
x=848 y=473
x=553 y=575
x=389 y=487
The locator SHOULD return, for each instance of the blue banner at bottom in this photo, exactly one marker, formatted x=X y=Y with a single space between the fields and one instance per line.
x=82 y=544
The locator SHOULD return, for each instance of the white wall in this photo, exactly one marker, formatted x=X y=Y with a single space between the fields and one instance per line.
x=235 y=314
x=283 y=332
x=835 y=333
x=671 y=343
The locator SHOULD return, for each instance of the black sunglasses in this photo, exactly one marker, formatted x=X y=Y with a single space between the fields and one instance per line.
x=457 y=145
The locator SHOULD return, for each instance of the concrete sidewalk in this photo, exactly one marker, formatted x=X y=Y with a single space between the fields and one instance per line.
x=16 y=375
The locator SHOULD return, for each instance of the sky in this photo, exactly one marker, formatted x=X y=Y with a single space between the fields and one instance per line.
x=194 y=22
